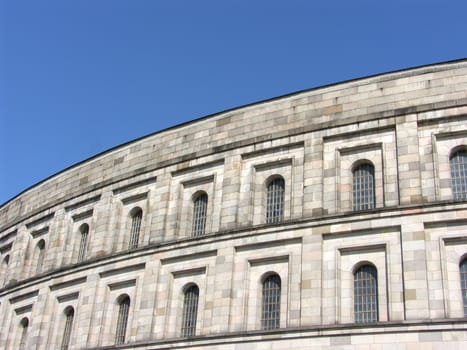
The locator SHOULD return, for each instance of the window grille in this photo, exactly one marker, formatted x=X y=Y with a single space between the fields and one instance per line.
x=271 y=304
x=135 y=228
x=275 y=201
x=364 y=187
x=83 y=242
x=41 y=255
x=463 y=272
x=190 y=311
x=459 y=175
x=366 y=294
x=70 y=314
x=200 y=206
x=24 y=333
x=122 y=320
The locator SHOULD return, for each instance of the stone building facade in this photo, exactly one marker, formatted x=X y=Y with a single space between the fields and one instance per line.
x=332 y=218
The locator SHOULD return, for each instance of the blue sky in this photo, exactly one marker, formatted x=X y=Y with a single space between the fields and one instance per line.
x=79 y=77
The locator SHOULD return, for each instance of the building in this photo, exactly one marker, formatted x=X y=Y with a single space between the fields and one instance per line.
x=332 y=218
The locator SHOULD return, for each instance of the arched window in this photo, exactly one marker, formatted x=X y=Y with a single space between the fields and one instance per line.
x=271 y=302
x=463 y=272
x=363 y=187
x=459 y=174
x=4 y=267
x=69 y=316
x=275 y=200
x=122 y=319
x=41 y=255
x=190 y=311
x=200 y=205
x=83 y=243
x=24 y=325
x=136 y=217
x=366 y=294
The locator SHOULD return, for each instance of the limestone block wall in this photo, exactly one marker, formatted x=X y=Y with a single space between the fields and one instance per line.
x=68 y=243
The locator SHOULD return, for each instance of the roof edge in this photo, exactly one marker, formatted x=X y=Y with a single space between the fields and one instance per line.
x=211 y=115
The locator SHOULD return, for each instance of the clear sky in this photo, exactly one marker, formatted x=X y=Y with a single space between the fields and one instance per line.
x=79 y=77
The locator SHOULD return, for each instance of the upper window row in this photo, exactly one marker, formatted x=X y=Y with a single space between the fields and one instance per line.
x=363 y=192
x=363 y=198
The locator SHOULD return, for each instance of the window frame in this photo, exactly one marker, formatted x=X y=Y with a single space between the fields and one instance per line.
x=200 y=208
x=83 y=243
x=363 y=195
x=271 y=289
x=190 y=310
x=24 y=324
x=136 y=215
x=41 y=255
x=366 y=306
x=124 y=304
x=458 y=171
x=69 y=313
x=275 y=199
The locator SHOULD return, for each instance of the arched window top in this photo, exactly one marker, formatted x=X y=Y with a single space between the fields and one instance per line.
x=458 y=163
x=275 y=187
x=24 y=322
x=271 y=301
x=363 y=185
x=123 y=298
x=41 y=244
x=200 y=206
x=455 y=151
x=267 y=275
x=361 y=264
x=69 y=310
x=275 y=177
x=366 y=267
x=365 y=293
x=136 y=211
x=199 y=195
x=84 y=228
x=189 y=286
x=361 y=162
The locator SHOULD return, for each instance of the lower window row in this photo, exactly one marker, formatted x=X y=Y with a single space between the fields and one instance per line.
x=365 y=288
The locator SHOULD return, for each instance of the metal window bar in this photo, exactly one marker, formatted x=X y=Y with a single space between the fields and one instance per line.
x=366 y=295
x=190 y=311
x=463 y=277
x=199 y=215
x=364 y=187
x=122 y=320
x=459 y=175
x=24 y=334
x=271 y=303
x=135 y=229
x=83 y=244
x=67 y=330
x=41 y=256
x=275 y=201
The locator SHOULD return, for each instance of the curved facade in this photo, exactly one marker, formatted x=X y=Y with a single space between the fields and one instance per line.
x=333 y=218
